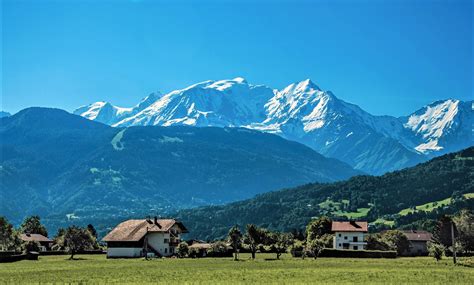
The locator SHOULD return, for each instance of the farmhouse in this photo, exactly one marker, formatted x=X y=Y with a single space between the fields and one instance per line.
x=418 y=242
x=349 y=235
x=44 y=242
x=136 y=238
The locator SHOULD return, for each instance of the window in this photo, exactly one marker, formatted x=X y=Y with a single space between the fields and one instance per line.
x=345 y=237
x=354 y=239
x=166 y=250
x=339 y=235
x=356 y=247
x=167 y=240
x=340 y=245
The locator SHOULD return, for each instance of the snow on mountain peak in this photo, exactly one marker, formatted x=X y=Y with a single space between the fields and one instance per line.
x=305 y=113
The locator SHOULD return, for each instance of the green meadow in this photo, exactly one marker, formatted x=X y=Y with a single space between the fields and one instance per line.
x=265 y=269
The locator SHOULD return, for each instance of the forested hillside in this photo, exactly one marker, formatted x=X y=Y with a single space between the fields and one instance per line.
x=386 y=200
x=68 y=169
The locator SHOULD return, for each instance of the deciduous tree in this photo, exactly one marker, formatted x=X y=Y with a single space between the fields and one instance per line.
x=235 y=238
x=253 y=237
x=33 y=225
x=77 y=239
x=9 y=237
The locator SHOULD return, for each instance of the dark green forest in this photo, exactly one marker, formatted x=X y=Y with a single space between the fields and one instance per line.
x=385 y=196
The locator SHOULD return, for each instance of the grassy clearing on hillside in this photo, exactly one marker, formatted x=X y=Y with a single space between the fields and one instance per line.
x=428 y=207
x=337 y=208
x=385 y=222
x=265 y=269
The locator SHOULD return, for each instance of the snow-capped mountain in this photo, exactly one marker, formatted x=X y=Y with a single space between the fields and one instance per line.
x=305 y=113
x=106 y=113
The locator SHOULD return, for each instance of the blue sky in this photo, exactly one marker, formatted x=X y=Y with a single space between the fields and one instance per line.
x=389 y=57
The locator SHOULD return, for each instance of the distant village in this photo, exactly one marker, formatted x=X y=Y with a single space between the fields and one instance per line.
x=165 y=238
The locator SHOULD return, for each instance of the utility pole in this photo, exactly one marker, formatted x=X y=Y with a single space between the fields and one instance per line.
x=452 y=241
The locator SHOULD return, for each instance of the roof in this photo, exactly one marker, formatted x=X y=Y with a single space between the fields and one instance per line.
x=351 y=226
x=200 y=245
x=134 y=230
x=415 y=235
x=34 y=237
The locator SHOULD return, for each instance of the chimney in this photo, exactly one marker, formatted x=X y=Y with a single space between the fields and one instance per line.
x=156 y=220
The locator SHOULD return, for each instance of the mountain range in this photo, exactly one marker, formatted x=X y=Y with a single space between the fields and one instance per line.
x=64 y=167
x=305 y=113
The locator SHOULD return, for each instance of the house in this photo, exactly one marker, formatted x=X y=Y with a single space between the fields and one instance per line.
x=137 y=238
x=200 y=249
x=44 y=242
x=418 y=242
x=349 y=235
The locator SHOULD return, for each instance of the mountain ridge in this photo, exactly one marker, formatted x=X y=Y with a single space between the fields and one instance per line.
x=303 y=112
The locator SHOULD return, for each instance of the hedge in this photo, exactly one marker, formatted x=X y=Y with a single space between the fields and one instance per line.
x=330 y=252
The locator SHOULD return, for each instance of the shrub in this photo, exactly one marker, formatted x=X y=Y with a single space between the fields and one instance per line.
x=436 y=250
x=183 y=250
x=32 y=246
x=330 y=252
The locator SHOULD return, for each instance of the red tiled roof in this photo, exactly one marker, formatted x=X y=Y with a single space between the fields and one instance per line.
x=134 y=230
x=34 y=237
x=418 y=235
x=349 y=226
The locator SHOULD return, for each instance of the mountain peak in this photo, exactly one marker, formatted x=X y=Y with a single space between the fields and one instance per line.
x=308 y=84
x=240 y=80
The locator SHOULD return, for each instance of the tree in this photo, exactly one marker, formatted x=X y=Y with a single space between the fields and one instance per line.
x=235 y=238
x=92 y=230
x=375 y=242
x=317 y=228
x=253 y=237
x=9 y=237
x=183 y=249
x=32 y=225
x=396 y=240
x=280 y=242
x=77 y=239
x=442 y=231
x=436 y=250
x=464 y=222
x=59 y=239
x=315 y=246
x=219 y=247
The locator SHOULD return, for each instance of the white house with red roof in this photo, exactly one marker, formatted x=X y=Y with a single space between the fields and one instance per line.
x=349 y=235
x=137 y=238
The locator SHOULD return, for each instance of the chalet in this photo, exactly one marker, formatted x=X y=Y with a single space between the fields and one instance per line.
x=418 y=242
x=137 y=238
x=349 y=235
x=44 y=242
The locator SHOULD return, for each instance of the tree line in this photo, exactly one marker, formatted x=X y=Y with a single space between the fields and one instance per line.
x=73 y=239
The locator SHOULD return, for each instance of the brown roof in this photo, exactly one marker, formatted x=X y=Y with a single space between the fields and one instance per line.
x=418 y=235
x=134 y=230
x=34 y=237
x=200 y=245
x=351 y=226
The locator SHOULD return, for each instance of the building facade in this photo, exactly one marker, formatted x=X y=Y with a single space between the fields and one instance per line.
x=418 y=242
x=138 y=238
x=349 y=235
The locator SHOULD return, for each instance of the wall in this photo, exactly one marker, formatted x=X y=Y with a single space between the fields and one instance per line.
x=124 y=252
x=347 y=237
x=157 y=241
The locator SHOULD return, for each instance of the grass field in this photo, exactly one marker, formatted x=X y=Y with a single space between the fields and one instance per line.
x=428 y=207
x=97 y=269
